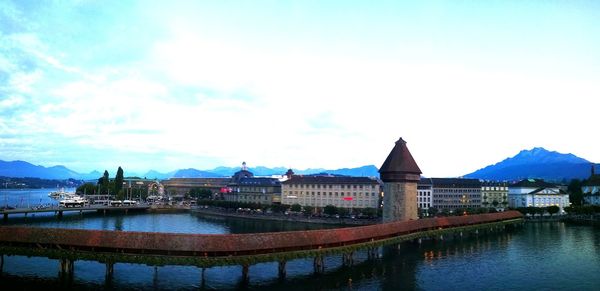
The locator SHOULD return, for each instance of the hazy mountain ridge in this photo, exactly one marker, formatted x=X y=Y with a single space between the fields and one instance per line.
x=536 y=163
x=21 y=169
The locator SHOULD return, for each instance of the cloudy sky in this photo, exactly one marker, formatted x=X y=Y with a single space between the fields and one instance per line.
x=175 y=84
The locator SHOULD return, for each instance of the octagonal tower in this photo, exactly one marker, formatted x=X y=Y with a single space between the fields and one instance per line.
x=400 y=175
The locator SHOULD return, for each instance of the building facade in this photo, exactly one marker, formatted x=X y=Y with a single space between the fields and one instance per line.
x=494 y=194
x=591 y=189
x=454 y=193
x=424 y=194
x=536 y=193
x=255 y=190
x=320 y=191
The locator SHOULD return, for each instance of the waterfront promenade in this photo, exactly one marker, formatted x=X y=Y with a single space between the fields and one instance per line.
x=283 y=217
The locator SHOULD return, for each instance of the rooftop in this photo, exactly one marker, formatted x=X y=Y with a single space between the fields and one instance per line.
x=532 y=183
x=455 y=183
x=299 y=179
x=400 y=160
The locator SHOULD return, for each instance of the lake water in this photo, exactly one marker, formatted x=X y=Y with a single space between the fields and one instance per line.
x=538 y=256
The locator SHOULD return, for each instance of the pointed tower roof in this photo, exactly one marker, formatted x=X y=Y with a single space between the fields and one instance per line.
x=400 y=166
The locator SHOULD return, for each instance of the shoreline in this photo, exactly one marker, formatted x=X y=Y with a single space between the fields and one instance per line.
x=290 y=218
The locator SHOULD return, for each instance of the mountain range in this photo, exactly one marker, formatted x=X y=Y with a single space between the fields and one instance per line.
x=536 y=163
x=21 y=169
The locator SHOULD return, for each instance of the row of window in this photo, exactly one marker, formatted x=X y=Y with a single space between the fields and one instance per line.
x=331 y=194
x=461 y=190
x=318 y=186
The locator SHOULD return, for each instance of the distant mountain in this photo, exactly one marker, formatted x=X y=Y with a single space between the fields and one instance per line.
x=193 y=173
x=364 y=171
x=21 y=169
x=536 y=163
x=152 y=174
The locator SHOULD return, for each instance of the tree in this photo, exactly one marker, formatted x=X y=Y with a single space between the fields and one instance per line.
x=369 y=212
x=575 y=194
x=432 y=211
x=296 y=207
x=308 y=210
x=343 y=211
x=553 y=209
x=330 y=210
x=104 y=183
x=87 y=188
x=495 y=203
x=119 y=181
x=200 y=193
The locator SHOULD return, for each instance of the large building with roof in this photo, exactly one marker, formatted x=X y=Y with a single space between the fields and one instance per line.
x=455 y=193
x=591 y=189
x=536 y=193
x=339 y=191
x=244 y=187
x=254 y=190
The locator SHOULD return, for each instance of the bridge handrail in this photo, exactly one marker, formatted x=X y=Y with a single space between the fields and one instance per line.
x=231 y=244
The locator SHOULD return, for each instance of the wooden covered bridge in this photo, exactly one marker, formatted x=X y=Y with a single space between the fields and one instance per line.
x=207 y=250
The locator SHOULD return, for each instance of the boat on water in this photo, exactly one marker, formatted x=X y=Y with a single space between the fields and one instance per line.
x=61 y=194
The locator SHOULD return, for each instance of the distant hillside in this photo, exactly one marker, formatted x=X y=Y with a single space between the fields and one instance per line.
x=364 y=171
x=536 y=163
x=21 y=169
x=193 y=173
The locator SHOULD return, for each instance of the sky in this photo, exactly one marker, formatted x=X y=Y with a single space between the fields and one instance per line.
x=164 y=85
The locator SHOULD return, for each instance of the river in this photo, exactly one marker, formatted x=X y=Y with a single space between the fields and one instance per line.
x=545 y=256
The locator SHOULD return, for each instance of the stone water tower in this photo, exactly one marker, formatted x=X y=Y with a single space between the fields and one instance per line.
x=400 y=175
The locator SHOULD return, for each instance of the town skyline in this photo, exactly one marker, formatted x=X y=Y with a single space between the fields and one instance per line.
x=303 y=85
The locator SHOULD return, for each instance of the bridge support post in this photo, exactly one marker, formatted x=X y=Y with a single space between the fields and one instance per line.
x=5 y=216
x=60 y=213
x=245 y=277
x=66 y=270
x=1 y=264
x=202 y=278
x=347 y=259
x=109 y=272
x=318 y=265
x=281 y=269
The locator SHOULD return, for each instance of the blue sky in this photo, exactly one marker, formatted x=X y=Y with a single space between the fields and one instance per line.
x=176 y=84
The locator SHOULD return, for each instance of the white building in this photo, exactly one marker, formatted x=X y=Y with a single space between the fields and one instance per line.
x=536 y=193
x=424 y=190
x=320 y=191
